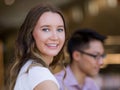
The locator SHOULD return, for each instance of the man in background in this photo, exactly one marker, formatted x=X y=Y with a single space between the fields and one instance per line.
x=86 y=51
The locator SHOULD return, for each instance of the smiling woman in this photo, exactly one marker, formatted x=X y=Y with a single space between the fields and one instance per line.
x=49 y=35
x=39 y=45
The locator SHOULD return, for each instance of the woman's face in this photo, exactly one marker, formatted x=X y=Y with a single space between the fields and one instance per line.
x=49 y=34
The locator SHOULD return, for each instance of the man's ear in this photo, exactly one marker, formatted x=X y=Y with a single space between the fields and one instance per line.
x=76 y=55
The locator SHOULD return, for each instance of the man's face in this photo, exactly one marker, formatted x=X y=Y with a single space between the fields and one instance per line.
x=88 y=64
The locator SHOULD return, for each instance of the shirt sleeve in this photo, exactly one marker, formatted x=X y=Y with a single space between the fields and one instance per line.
x=39 y=74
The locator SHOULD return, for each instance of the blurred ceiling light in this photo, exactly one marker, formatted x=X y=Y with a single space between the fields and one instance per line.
x=9 y=2
x=77 y=14
x=112 y=3
x=102 y=3
x=93 y=8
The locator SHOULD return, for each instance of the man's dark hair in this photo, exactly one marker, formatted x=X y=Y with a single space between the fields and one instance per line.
x=81 y=38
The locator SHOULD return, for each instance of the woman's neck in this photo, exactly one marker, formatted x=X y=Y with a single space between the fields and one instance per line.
x=47 y=59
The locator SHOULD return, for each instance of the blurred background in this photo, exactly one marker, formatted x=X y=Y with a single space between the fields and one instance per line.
x=101 y=15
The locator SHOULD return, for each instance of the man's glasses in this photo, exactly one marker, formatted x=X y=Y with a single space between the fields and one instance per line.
x=97 y=57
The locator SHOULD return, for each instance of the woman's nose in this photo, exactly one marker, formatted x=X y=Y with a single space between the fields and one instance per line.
x=54 y=35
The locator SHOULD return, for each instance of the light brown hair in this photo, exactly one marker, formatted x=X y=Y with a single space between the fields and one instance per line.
x=25 y=44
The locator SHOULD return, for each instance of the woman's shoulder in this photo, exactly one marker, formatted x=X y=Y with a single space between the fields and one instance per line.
x=38 y=74
x=34 y=75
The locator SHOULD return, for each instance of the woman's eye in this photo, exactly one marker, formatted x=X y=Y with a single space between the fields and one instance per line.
x=60 y=30
x=45 y=29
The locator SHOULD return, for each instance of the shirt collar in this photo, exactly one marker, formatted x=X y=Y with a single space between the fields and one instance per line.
x=70 y=78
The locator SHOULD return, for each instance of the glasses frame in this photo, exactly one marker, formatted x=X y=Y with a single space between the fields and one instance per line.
x=97 y=57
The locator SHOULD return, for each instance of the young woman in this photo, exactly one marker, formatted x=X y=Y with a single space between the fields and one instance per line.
x=39 y=45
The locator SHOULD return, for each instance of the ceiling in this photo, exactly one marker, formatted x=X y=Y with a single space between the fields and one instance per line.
x=13 y=15
x=106 y=21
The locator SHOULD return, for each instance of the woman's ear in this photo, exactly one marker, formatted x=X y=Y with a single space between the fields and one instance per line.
x=76 y=56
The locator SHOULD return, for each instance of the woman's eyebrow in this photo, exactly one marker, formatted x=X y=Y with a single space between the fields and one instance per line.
x=45 y=26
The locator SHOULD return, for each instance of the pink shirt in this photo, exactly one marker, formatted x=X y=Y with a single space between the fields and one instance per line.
x=70 y=83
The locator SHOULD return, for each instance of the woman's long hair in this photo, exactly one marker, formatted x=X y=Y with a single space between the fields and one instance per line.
x=25 y=43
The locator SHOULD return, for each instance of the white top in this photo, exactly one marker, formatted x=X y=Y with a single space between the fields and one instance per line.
x=36 y=74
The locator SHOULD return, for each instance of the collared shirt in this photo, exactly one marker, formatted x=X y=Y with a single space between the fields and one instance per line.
x=70 y=82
